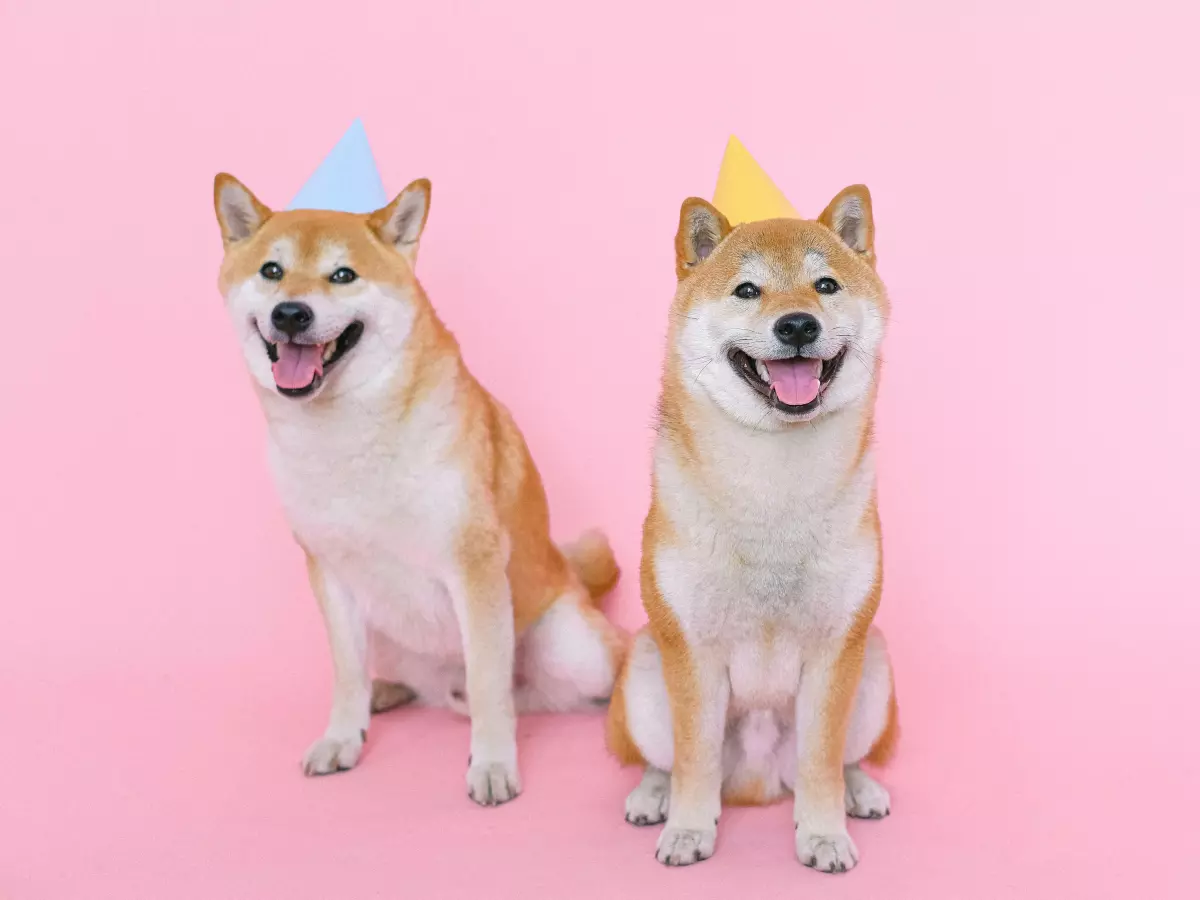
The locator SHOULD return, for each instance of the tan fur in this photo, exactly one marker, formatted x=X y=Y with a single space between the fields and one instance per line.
x=884 y=748
x=400 y=467
x=678 y=666
x=750 y=793
x=732 y=643
x=593 y=561
x=617 y=737
x=387 y=695
x=495 y=452
x=821 y=770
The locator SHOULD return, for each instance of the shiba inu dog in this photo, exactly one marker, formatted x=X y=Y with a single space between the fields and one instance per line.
x=409 y=488
x=760 y=672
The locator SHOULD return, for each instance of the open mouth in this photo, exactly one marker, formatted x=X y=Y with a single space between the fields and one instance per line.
x=793 y=385
x=299 y=369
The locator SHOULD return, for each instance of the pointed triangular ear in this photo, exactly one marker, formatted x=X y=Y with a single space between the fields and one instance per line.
x=401 y=222
x=701 y=229
x=238 y=211
x=849 y=217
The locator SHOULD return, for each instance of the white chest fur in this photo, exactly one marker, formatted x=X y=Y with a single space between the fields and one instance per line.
x=376 y=501
x=770 y=558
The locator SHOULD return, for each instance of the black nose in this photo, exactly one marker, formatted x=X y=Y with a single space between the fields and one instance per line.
x=292 y=318
x=798 y=329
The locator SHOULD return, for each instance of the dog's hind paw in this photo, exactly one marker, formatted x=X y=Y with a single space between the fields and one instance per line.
x=866 y=798
x=333 y=754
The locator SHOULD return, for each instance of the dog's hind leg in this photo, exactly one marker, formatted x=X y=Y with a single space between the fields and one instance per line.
x=569 y=658
x=873 y=732
x=390 y=687
x=640 y=731
x=387 y=695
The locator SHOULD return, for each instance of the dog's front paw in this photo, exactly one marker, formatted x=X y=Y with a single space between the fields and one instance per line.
x=826 y=852
x=684 y=846
x=334 y=753
x=492 y=783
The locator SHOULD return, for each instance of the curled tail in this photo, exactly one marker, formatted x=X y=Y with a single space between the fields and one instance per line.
x=592 y=559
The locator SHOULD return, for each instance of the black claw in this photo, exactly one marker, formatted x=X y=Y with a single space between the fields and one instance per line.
x=841 y=867
x=696 y=856
x=363 y=732
x=811 y=862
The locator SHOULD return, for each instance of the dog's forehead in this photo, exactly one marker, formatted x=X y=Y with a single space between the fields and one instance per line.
x=316 y=239
x=783 y=243
x=796 y=263
x=783 y=254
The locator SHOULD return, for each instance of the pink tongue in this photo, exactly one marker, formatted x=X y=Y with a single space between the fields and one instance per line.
x=796 y=381
x=298 y=365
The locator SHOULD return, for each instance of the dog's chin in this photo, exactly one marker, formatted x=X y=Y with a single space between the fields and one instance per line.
x=300 y=369
x=752 y=372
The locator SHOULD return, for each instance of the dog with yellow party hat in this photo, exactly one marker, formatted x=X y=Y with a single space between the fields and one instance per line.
x=760 y=672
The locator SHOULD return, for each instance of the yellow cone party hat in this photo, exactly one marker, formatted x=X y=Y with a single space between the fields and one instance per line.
x=745 y=193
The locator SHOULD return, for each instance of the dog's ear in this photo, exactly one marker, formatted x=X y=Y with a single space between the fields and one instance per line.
x=701 y=229
x=238 y=211
x=849 y=217
x=401 y=222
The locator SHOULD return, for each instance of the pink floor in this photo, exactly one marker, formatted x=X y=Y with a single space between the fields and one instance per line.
x=162 y=665
x=183 y=783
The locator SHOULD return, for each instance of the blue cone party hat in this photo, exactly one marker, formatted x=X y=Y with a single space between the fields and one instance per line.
x=347 y=180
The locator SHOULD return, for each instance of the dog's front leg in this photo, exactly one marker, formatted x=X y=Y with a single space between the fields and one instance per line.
x=483 y=605
x=698 y=686
x=341 y=745
x=823 y=706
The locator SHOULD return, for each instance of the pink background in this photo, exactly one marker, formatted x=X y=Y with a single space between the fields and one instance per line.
x=162 y=665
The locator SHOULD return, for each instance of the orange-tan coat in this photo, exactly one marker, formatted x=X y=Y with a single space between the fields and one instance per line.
x=409 y=487
x=760 y=672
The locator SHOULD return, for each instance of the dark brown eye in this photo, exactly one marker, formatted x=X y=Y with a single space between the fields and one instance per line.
x=272 y=271
x=826 y=286
x=747 y=291
x=343 y=276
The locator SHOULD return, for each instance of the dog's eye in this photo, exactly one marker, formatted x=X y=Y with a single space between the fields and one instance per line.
x=747 y=291
x=343 y=276
x=826 y=286
x=272 y=271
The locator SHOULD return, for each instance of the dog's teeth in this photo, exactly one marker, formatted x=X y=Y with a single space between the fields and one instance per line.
x=761 y=368
x=330 y=349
